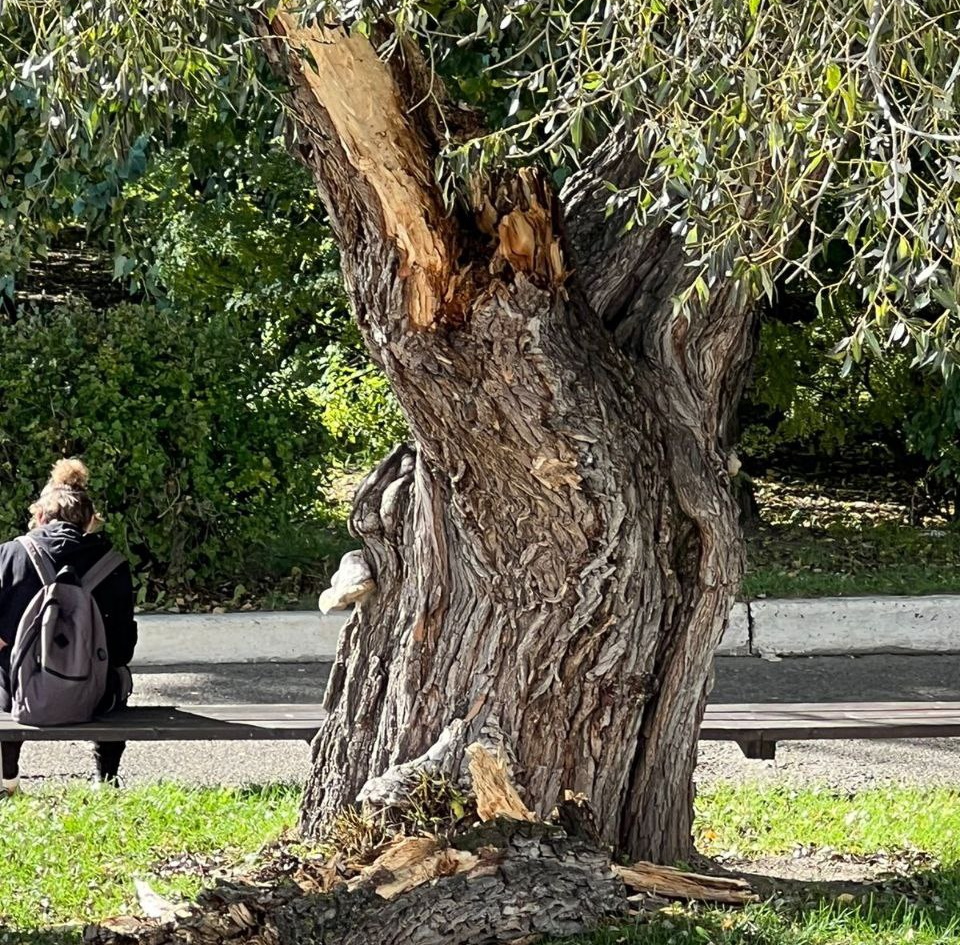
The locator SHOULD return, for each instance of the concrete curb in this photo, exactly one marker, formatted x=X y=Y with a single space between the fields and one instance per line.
x=736 y=638
x=855 y=625
x=814 y=627
x=289 y=637
x=258 y=636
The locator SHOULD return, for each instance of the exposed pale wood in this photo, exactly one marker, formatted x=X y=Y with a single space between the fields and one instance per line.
x=410 y=862
x=676 y=884
x=495 y=794
x=357 y=104
x=153 y=905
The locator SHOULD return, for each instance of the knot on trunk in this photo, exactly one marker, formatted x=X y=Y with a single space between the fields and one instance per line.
x=381 y=501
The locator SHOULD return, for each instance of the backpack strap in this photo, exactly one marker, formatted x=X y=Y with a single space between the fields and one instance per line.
x=105 y=566
x=41 y=563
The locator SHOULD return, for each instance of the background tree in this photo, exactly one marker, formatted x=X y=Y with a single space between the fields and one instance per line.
x=555 y=221
x=207 y=384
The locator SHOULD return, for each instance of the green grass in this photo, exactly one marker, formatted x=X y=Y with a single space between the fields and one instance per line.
x=753 y=820
x=846 y=560
x=871 y=923
x=861 y=534
x=71 y=854
x=750 y=822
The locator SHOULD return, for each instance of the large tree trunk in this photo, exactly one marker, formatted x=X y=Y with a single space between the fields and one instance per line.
x=556 y=559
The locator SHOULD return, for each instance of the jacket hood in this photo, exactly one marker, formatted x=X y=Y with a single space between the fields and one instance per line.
x=65 y=541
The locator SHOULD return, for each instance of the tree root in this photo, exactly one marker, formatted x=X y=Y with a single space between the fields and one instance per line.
x=511 y=878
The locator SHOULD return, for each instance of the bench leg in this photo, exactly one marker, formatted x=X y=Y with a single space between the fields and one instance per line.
x=758 y=748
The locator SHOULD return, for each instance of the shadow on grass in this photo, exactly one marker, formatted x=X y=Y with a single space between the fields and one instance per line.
x=59 y=936
x=924 y=905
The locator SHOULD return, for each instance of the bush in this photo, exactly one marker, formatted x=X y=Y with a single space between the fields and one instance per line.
x=801 y=403
x=210 y=412
x=201 y=450
x=801 y=410
x=357 y=407
x=229 y=221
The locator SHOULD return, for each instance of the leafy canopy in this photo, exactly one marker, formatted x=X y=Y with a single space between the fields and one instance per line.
x=771 y=133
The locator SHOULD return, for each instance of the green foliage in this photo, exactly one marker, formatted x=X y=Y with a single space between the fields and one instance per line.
x=73 y=129
x=933 y=430
x=767 y=136
x=199 y=448
x=228 y=222
x=767 y=133
x=357 y=407
x=801 y=401
x=211 y=413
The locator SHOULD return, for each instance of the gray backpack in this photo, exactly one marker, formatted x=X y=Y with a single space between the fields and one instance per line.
x=58 y=664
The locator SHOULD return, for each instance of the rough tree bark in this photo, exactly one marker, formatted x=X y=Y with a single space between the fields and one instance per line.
x=557 y=556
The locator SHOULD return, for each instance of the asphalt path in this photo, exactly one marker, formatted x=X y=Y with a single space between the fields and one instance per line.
x=845 y=765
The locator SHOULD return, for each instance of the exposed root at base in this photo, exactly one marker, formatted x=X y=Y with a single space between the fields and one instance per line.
x=509 y=878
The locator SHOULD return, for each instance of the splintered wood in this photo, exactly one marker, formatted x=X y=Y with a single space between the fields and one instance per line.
x=651 y=879
x=348 y=96
x=496 y=796
x=527 y=234
x=410 y=862
x=414 y=861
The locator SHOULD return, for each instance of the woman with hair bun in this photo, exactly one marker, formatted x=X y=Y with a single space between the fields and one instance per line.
x=63 y=524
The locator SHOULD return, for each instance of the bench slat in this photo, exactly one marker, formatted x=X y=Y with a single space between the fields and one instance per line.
x=827 y=718
x=188 y=723
x=884 y=708
x=761 y=724
x=758 y=728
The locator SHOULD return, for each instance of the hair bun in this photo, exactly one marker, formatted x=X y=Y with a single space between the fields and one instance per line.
x=70 y=472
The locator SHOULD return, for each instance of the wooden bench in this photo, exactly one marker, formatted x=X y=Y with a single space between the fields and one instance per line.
x=188 y=723
x=758 y=728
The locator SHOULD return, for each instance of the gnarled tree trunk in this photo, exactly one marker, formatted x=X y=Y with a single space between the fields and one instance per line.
x=557 y=557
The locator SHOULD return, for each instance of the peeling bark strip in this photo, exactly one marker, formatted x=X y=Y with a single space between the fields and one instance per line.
x=664 y=881
x=555 y=561
x=348 y=100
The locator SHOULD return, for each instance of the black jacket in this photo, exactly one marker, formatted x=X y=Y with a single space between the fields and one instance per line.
x=67 y=545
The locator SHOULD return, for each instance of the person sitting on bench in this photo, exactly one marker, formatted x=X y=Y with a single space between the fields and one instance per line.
x=63 y=527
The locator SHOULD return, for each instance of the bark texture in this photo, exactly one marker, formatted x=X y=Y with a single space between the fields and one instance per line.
x=556 y=558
